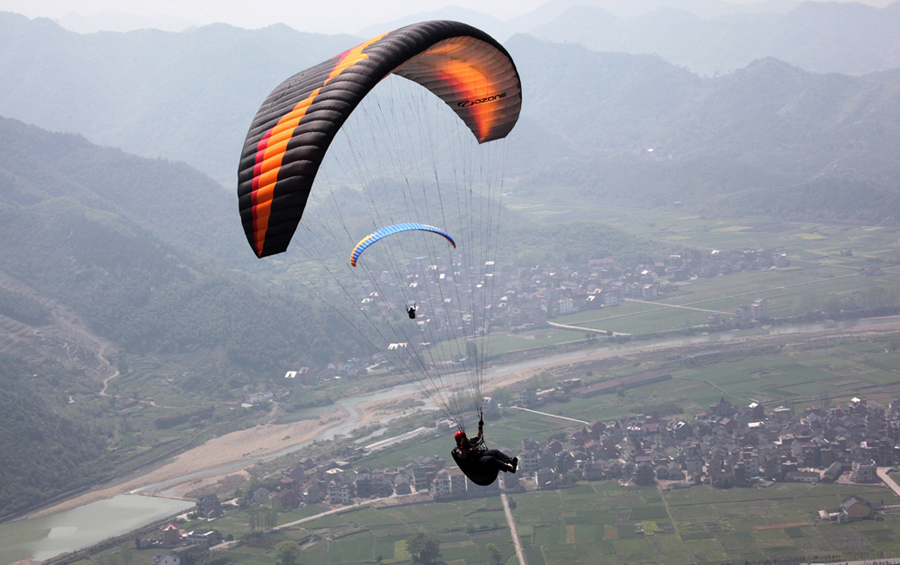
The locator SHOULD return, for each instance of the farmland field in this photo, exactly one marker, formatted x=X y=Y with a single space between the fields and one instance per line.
x=604 y=522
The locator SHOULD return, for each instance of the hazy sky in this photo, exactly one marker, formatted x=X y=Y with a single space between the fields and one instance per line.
x=328 y=16
x=324 y=16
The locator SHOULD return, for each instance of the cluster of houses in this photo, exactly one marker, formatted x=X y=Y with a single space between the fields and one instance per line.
x=182 y=546
x=531 y=296
x=724 y=446
x=336 y=482
x=314 y=481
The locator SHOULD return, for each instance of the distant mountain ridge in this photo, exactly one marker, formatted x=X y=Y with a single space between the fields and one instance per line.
x=770 y=113
x=503 y=28
x=818 y=36
x=190 y=97
x=186 y=96
x=707 y=36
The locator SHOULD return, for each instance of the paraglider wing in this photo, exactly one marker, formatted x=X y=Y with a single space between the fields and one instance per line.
x=390 y=230
x=469 y=70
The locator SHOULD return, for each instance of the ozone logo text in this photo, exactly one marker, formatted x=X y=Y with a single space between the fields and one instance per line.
x=467 y=103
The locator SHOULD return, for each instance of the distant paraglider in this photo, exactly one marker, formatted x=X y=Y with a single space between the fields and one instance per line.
x=390 y=230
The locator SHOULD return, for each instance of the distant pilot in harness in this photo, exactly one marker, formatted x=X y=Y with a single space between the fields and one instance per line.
x=411 y=310
x=480 y=464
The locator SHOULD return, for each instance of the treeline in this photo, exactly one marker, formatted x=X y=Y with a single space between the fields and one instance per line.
x=22 y=308
x=575 y=243
x=820 y=200
x=165 y=422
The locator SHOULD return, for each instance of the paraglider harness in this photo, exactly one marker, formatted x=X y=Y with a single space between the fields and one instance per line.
x=468 y=464
x=411 y=310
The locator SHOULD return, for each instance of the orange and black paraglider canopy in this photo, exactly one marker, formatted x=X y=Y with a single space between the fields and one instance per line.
x=469 y=70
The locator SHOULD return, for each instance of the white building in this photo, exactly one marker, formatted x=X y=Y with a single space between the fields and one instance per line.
x=457 y=482
x=567 y=306
x=440 y=486
x=339 y=492
x=529 y=462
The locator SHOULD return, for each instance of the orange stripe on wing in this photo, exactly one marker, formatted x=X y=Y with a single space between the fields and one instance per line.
x=454 y=65
x=271 y=148
x=472 y=84
x=358 y=245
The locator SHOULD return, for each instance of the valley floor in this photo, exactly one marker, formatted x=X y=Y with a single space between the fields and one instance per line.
x=234 y=453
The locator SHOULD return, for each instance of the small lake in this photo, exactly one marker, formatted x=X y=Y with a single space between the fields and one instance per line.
x=43 y=538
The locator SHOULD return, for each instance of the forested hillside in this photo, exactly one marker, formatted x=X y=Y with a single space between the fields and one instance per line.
x=176 y=203
x=42 y=452
x=76 y=265
x=66 y=232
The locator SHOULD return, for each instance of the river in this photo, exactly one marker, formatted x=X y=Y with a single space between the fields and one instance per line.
x=69 y=530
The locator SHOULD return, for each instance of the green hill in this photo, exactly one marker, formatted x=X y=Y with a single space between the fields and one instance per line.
x=76 y=270
x=42 y=452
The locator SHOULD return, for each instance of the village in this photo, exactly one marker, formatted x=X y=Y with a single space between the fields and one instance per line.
x=725 y=446
x=530 y=297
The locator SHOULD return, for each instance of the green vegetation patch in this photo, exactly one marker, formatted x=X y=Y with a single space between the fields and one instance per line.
x=649 y=513
x=692 y=536
x=565 y=551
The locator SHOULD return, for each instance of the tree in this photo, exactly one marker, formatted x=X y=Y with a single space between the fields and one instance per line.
x=253 y=514
x=644 y=475
x=125 y=555
x=425 y=547
x=494 y=553
x=270 y=516
x=287 y=552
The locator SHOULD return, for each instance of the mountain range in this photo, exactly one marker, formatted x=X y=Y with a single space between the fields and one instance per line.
x=190 y=96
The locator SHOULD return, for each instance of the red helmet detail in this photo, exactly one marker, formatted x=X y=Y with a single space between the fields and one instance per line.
x=460 y=437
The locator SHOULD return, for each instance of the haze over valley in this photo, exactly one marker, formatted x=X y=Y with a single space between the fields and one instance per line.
x=137 y=324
